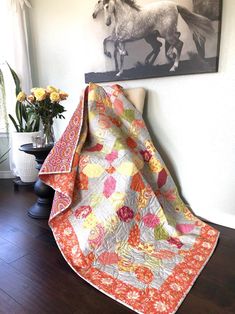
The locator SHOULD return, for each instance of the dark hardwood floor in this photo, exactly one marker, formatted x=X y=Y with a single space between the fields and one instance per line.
x=34 y=277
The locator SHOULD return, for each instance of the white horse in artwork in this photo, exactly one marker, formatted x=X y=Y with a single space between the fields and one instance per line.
x=158 y=19
x=119 y=47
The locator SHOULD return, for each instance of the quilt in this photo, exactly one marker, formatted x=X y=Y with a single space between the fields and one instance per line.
x=117 y=216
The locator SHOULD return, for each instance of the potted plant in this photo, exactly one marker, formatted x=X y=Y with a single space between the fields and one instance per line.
x=26 y=125
x=45 y=104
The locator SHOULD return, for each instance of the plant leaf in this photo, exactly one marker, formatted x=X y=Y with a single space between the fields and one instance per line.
x=24 y=113
x=17 y=110
x=37 y=123
x=14 y=122
x=16 y=80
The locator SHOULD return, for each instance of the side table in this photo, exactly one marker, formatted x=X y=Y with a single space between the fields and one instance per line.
x=41 y=209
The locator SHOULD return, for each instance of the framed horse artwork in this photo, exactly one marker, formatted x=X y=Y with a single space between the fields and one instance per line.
x=156 y=38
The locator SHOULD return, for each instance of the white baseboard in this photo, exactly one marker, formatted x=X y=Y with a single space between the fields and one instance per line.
x=6 y=175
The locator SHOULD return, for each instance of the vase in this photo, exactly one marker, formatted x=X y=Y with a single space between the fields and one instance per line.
x=48 y=134
x=23 y=165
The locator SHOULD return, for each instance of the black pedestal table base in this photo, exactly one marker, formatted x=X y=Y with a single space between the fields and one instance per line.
x=41 y=209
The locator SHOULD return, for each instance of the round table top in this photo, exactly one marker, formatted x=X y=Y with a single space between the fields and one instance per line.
x=28 y=148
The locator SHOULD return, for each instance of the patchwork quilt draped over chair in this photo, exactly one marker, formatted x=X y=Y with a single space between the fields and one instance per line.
x=117 y=216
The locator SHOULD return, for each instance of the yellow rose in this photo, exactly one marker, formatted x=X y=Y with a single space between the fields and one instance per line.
x=21 y=97
x=39 y=93
x=63 y=95
x=55 y=97
x=50 y=89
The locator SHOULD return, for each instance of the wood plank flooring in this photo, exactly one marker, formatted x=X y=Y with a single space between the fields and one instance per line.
x=34 y=277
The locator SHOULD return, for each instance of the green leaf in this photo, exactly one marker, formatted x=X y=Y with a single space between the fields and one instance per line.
x=37 y=124
x=17 y=110
x=24 y=113
x=16 y=80
x=28 y=121
x=14 y=122
x=31 y=126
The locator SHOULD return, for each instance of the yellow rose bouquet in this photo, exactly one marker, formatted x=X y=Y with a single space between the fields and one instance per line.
x=45 y=103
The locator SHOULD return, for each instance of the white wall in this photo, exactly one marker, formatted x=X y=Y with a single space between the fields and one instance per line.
x=192 y=118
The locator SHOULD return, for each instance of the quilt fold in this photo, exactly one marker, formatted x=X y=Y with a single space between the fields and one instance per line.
x=117 y=216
